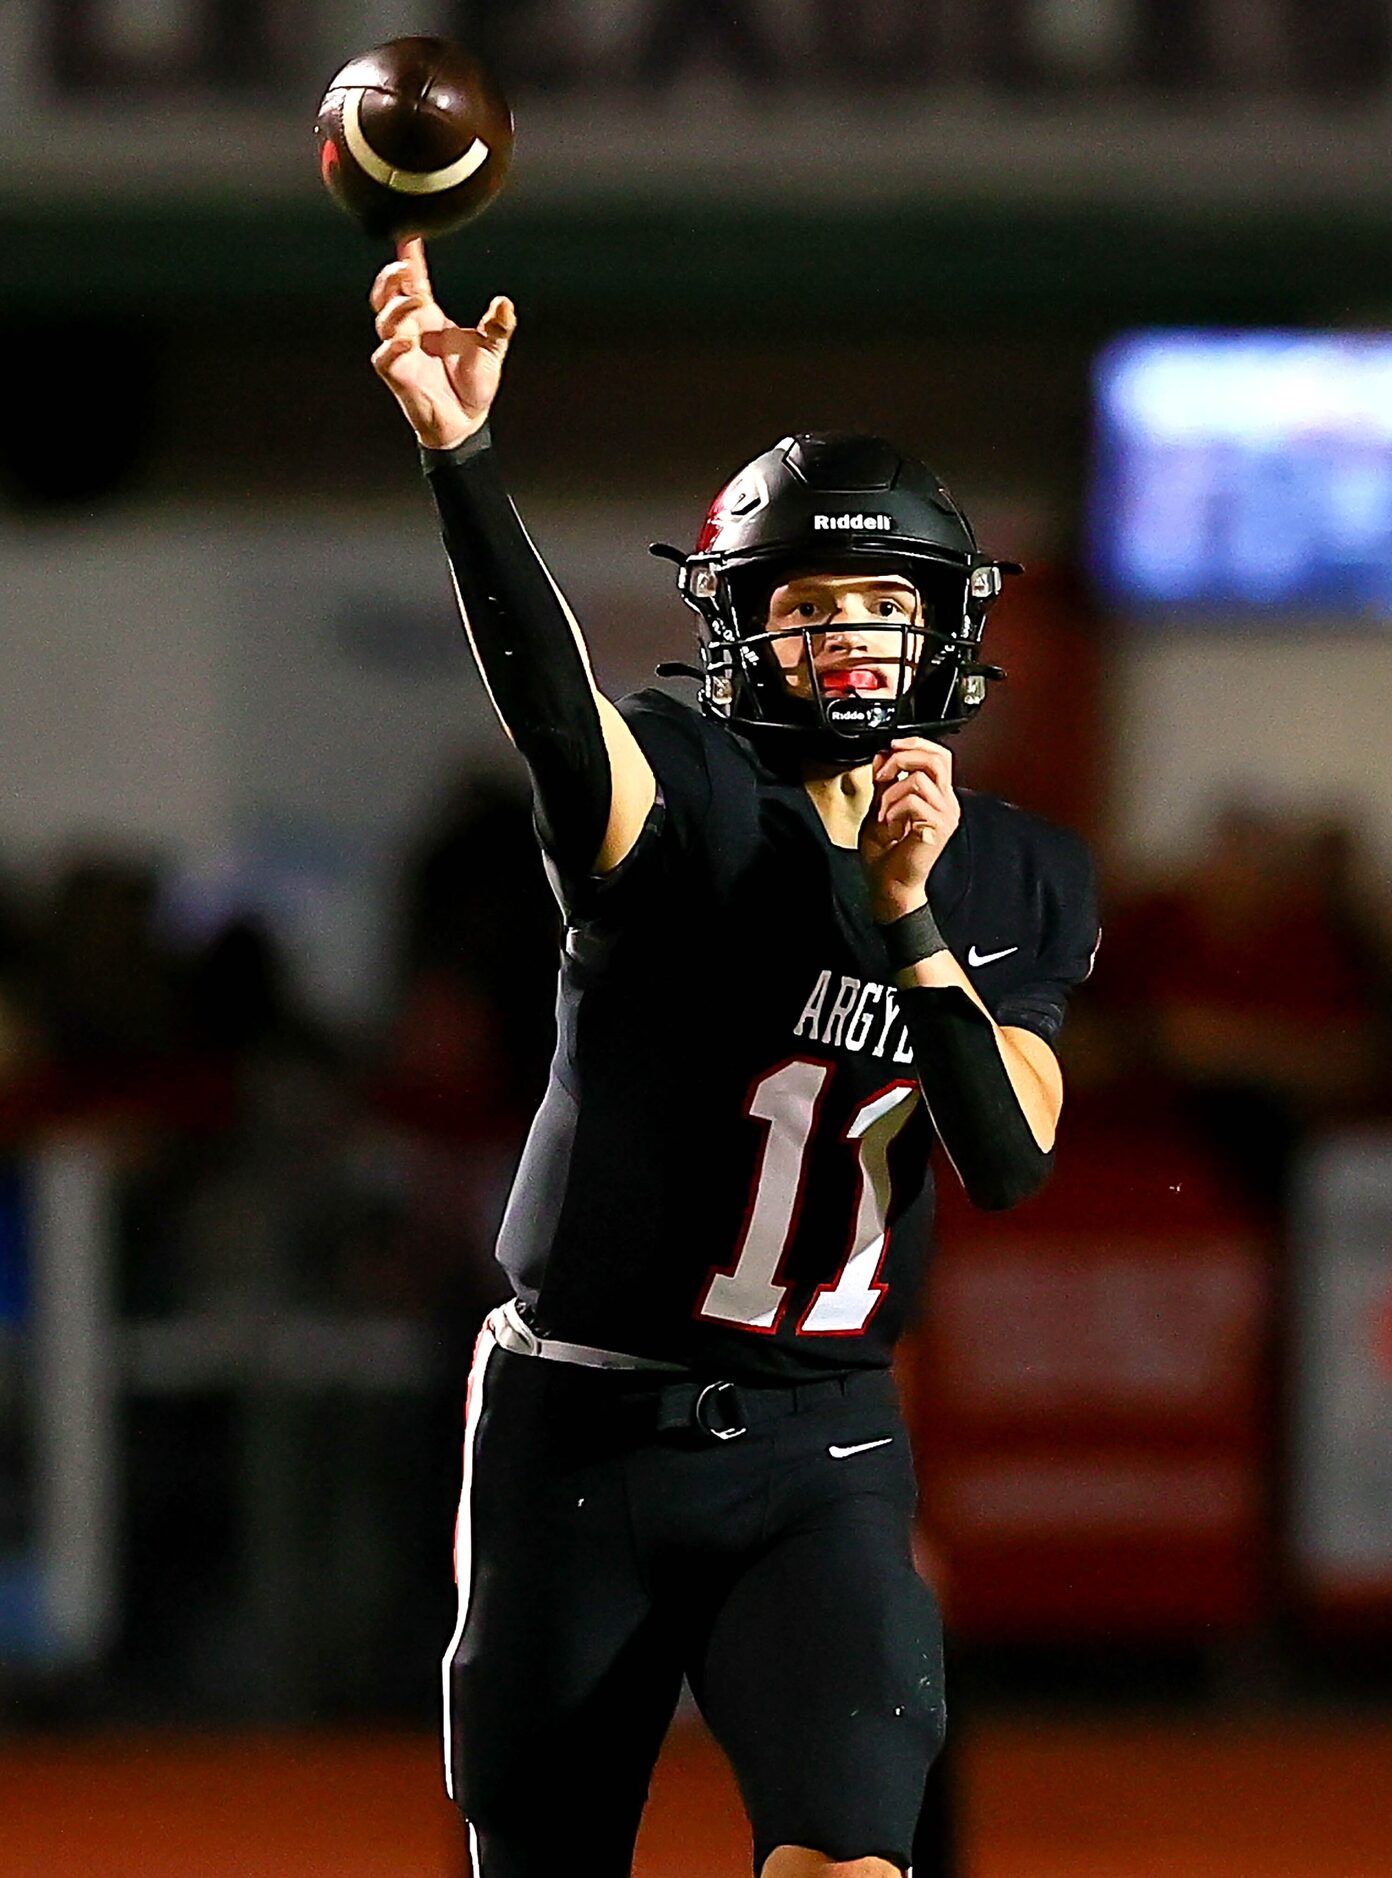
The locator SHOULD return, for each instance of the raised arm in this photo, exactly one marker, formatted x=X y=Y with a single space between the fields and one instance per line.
x=593 y=785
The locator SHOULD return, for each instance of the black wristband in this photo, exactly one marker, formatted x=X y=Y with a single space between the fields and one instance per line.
x=473 y=445
x=912 y=937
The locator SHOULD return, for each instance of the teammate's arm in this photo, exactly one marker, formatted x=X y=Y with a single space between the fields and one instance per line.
x=994 y=1092
x=593 y=786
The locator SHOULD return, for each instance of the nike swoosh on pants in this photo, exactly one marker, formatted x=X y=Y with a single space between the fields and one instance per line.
x=841 y=1454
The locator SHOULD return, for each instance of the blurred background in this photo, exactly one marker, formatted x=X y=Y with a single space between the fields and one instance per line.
x=276 y=955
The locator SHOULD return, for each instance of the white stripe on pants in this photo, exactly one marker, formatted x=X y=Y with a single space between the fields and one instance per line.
x=463 y=1537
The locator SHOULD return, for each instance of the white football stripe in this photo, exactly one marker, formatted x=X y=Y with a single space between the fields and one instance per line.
x=405 y=182
x=463 y=1533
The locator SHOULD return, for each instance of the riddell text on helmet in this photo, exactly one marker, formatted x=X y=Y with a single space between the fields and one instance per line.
x=866 y=523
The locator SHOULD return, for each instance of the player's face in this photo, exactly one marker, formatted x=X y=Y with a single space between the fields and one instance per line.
x=855 y=632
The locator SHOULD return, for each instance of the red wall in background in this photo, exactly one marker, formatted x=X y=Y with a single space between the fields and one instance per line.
x=1090 y=1394
x=1039 y=740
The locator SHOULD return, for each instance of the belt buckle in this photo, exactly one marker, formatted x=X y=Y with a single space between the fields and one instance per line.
x=519 y=1328
x=712 y=1393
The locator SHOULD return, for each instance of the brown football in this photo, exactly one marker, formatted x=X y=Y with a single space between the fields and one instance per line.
x=414 y=138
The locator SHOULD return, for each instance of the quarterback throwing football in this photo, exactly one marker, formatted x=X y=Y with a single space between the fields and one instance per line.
x=795 y=955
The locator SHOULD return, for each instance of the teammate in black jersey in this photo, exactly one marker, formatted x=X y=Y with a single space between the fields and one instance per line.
x=795 y=954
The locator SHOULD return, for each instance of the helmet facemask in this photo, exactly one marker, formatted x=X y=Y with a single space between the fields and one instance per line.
x=938 y=684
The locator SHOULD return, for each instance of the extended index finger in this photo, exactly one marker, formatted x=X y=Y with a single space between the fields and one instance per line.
x=411 y=250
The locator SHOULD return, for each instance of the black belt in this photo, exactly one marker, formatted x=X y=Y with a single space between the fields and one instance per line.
x=724 y=1411
x=715 y=1409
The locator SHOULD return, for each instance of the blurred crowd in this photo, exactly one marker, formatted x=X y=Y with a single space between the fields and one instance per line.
x=268 y=1163
x=271 y=1168
x=1250 y=994
x=110 y=1020
x=650 y=48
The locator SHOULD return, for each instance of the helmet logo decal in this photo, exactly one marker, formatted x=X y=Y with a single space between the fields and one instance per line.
x=746 y=495
x=863 y=524
x=737 y=501
x=854 y=713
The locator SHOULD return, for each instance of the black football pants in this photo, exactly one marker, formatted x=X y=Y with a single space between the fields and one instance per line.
x=600 y=1558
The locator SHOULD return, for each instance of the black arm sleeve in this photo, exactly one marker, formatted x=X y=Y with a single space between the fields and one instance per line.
x=970 y=1098
x=526 y=649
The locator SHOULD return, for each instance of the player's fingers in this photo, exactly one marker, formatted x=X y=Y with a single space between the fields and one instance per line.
x=450 y=341
x=901 y=789
x=394 y=278
x=410 y=251
x=916 y=787
x=927 y=785
x=403 y=307
x=386 y=355
x=921 y=747
x=498 y=324
x=492 y=334
x=910 y=828
x=897 y=815
x=910 y=818
x=906 y=826
x=920 y=743
x=901 y=761
x=919 y=754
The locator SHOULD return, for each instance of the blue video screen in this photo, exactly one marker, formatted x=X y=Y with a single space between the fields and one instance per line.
x=1244 y=473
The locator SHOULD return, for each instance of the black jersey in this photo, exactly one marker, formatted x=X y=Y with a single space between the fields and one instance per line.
x=730 y=1168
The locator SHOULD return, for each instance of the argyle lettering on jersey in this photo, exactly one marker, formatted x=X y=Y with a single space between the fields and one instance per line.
x=856 y=1012
x=730 y=1167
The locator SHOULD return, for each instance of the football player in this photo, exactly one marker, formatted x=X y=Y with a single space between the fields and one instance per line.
x=796 y=953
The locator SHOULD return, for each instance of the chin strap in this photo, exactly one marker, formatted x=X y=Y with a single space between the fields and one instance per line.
x=971 y=1100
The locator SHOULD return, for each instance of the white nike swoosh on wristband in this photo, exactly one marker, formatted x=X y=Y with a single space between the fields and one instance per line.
x=840 y=1454
x=988 y=958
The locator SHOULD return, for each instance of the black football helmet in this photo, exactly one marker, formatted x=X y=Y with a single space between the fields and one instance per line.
x=837 y=504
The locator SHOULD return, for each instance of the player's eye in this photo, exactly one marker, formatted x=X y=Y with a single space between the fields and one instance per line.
x=887 y=608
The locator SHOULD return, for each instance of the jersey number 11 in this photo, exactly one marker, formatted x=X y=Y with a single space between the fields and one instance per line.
x=749 y=1292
